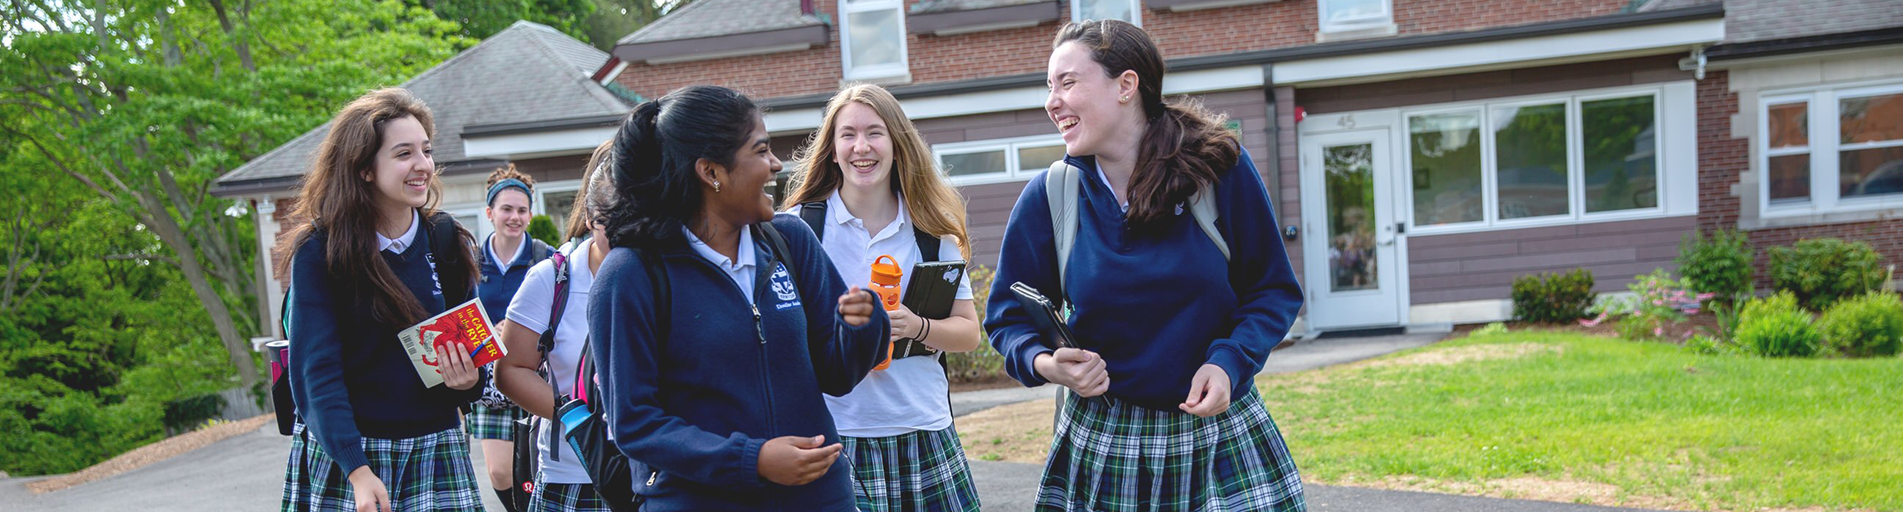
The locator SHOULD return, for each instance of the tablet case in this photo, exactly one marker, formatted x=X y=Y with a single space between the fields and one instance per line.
x=1051 y=327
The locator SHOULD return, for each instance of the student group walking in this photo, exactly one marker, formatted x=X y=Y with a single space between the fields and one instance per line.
x=733 y=351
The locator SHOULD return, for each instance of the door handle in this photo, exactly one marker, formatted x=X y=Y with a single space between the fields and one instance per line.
x=1389 y=243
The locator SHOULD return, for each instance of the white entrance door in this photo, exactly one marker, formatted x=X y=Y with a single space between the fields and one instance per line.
x=1353 y=274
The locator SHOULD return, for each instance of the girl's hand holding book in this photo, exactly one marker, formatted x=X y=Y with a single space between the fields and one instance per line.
x=459 y=371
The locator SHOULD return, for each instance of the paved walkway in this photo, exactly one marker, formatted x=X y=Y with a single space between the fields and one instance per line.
x=247 y=472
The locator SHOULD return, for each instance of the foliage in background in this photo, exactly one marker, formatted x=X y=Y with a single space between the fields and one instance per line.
x=985 y=362
x=1776 y=327
x=1554 y=297
x=1822 y=271
x=1869 y=325
x=1657 y=300
x=1719 y=264
x=543 y=228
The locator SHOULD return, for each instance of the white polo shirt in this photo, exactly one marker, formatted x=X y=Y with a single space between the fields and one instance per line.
x=530 y=308
x=910 y=394
x=741 y=272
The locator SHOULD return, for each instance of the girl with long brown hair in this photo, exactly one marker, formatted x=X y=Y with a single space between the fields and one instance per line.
x=868 y=187
x=1178 y=286
x=376 y=258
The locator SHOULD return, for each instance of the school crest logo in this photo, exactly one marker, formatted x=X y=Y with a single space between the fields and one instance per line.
x=788 y=296
x=436 y=285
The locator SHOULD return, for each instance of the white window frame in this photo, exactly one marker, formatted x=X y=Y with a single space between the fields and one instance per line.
x=1136 y=10
x=1575 y=162
x=900 y=72
x=542 y=190
x=1384 y=22
x=1013 y=170
x=1824 y=146
x=481 y=229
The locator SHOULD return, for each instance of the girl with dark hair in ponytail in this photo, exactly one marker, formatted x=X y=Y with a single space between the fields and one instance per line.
x=715 y=326
x=1177 y=282
x=374 y=259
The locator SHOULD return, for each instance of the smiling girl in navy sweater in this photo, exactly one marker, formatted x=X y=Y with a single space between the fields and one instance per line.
x=371 y=435
x=1171 y=330
x=719 y=402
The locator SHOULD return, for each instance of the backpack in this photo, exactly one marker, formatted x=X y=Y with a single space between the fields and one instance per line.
x=1061 y=189
x=443 y=240
x=582 y=423
x=538 y=251
x=814 y=213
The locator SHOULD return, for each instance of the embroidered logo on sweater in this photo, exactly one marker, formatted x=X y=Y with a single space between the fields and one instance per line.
x=789 y=297
x=436 y=285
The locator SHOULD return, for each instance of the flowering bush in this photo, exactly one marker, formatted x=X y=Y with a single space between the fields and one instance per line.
x=1657 y=300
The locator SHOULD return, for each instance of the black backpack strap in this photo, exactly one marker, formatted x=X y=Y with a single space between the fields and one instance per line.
x=780 y=252
x=653 y=263
x=928 y=245
x=445 y=242
x=538 y=250
x=814 y=213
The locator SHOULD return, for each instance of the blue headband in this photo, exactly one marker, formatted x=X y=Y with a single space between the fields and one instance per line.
x=506 y=184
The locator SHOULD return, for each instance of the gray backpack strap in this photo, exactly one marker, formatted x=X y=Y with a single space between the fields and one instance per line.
x=1203 y=207
x=1060 y=188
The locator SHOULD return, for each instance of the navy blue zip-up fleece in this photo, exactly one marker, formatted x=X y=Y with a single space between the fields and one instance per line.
x=350 y=376
x=692 y=407
x=1157 y=307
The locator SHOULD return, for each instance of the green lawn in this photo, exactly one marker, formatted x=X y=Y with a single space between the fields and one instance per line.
x=1652 y=423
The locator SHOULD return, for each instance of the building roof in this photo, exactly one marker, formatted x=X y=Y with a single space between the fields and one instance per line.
x=714 y=18
x=1765 y=20
x=528 y=72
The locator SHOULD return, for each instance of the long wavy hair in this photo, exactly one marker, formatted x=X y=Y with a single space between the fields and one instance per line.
x=1185 y=144
x=656 y=189
x=934 y=206
x=338 y=201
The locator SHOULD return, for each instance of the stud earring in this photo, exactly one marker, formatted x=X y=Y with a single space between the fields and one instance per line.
x=716 y=187
x=1126 y=99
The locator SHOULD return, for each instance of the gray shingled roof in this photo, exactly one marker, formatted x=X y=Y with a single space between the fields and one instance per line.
x=926 y=6
x=528 y=72
x=1764 y=20
x=712 y=18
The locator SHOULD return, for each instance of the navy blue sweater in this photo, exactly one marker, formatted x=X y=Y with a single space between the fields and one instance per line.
x=350 y=377
x=694 y=405
x=500 y=281
x=1156 y=307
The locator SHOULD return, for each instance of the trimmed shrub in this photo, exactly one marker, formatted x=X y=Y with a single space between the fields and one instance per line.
x=1719 y=264
x=1776 y=327
x=1553 y=297
x=1822 y=271
x=543 y=228
x=1864 y=326
x=985 y=362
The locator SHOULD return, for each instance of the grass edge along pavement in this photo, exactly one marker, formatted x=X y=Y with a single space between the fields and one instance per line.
x=1570 y=417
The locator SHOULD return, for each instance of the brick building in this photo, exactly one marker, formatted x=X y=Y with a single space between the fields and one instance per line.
x=1420 y=153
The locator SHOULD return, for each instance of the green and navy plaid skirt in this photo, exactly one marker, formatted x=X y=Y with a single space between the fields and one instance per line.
x=565 y=498
x=497 y=423
x=922 y=471
x=429 y=472
x=1112 y=456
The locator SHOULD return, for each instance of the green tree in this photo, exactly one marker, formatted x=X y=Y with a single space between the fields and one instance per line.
x=480 y=19
x=141 y=104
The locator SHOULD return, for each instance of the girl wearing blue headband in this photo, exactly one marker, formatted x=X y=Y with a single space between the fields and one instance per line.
x=504 y=258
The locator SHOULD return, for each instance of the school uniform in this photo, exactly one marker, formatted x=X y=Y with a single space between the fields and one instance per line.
x=1157 y=307
x=501 y=277
x=897 y=423
x=562 y=483
x=747 y=350
x=359 y=398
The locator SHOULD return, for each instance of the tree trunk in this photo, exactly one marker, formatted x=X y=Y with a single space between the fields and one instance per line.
x=166 y=227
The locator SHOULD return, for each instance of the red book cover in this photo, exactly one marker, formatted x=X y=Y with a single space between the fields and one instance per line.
x=464 y=327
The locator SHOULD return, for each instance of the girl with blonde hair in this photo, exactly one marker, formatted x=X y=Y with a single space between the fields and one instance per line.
x=868 y=187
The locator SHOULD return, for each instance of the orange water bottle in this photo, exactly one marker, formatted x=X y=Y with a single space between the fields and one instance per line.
x=885 y=282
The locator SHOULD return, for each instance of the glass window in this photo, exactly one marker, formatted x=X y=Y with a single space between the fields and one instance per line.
x=1038 y=158
x=967 y=164
x=1530 y=161
x=1339 y=15
x=556 y=206
x=1125 y=10
x=873 y=39
x=1445 y=156
x=1620 y=147
x=1871 y=137
x=1789 y=152
x=1349 y=173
